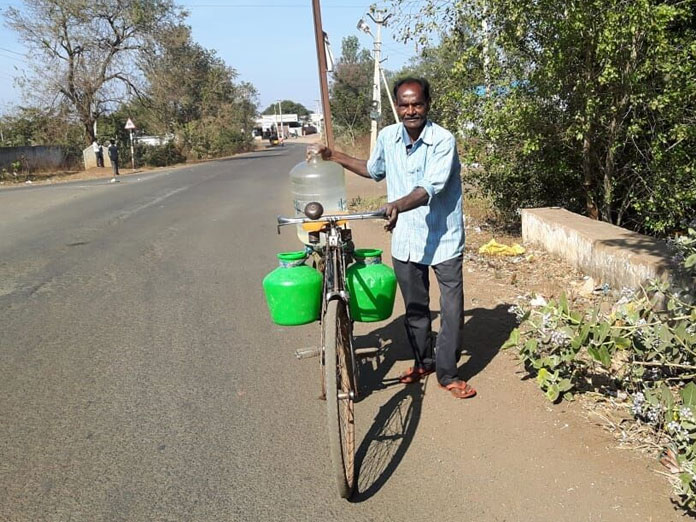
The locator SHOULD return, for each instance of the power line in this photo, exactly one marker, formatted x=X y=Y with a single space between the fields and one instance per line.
x=12 y=58
x=275 y=6
x=11 y=51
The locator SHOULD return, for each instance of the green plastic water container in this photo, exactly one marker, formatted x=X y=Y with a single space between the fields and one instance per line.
x=372 y=286
x=293 y=290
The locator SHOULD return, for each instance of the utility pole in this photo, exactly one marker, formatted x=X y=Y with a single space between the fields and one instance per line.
x=317 y=111
x=376 y=112
x=486 y=50
x=319 y=37
x=281 y=134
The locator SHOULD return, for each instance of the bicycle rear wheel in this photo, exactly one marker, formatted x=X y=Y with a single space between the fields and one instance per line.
x=338 y=368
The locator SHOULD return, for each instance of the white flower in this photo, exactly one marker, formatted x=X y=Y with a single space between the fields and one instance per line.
x=673 y=427
x=628 y=293
x=558 y=338
x=653 y=414
x=686 y=413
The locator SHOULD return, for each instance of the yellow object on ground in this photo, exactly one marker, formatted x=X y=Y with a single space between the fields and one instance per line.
x=498 y=249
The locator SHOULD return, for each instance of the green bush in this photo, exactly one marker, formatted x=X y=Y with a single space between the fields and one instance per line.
x=159 y=155
x=213 y=138
x=585 y=105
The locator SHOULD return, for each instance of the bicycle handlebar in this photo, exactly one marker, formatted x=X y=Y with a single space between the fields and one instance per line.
x=332 y=218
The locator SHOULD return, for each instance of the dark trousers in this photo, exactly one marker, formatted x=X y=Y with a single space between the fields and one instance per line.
x=114 y=166
x=415 y=289
x=100 y=159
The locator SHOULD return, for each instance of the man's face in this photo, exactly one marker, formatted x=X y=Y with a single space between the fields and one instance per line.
x=411 y=106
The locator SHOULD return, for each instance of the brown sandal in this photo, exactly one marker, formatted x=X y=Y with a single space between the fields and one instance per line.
x=414 y=374
x=459 y=389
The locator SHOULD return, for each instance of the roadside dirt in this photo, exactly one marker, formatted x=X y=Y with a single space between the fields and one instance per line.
x=515 y=455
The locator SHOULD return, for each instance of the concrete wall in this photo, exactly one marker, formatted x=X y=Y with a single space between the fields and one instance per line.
x=43 y=157
x=608 y=253
x=90 y=158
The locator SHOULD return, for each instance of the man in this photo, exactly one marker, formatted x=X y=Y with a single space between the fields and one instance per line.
x=419 y=160
x=98 y=153
x=113 y=156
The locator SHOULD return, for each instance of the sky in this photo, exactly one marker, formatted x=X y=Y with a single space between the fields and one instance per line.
x=269 y=42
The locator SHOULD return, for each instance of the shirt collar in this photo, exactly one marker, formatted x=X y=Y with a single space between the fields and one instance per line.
x=426 y=135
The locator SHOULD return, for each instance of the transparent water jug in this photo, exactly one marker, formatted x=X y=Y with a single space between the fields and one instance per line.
x=317 y=180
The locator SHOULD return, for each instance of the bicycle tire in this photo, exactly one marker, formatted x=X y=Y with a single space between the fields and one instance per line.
x=339 y=397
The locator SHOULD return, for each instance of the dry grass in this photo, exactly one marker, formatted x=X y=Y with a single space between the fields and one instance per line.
x=366 y=203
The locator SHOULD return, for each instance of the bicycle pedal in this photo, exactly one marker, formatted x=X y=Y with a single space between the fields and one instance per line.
x=307 y=353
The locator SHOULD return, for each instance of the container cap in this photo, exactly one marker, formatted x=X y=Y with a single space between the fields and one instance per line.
x=292 y=256
x=362 y=253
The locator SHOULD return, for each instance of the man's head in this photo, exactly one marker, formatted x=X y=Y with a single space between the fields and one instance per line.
x=112 y=142
x=412 y=102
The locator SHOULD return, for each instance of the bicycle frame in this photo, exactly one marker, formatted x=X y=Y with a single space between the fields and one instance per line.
x=335 y=255
x=339 y=377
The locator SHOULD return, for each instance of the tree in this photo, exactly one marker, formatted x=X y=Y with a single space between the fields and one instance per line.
x=192 y=93
x=590 y=105
x=32 y=126
x=86 y=54
x=351 y=89
x=288 y=107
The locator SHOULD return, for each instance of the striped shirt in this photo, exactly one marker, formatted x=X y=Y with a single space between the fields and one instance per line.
x=434 y=232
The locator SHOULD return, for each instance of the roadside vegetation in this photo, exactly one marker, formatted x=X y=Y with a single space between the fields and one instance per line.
x=638 y=350
x=590 y=106
x=92 y=66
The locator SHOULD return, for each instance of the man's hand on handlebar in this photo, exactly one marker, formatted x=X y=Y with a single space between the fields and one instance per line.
x=391 y=212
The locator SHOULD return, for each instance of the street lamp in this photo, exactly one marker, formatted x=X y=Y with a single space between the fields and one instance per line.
x=362 y=26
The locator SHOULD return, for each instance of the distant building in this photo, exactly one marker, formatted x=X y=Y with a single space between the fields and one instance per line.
x=290 y=123
x=153 y=141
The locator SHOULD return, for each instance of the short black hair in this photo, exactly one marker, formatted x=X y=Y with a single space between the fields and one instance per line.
x=425 y=86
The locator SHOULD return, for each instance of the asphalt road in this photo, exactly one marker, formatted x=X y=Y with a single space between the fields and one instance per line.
x=140 y=378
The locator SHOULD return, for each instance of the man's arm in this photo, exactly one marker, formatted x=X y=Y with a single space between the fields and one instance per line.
x=416 y=198
x=349 y=162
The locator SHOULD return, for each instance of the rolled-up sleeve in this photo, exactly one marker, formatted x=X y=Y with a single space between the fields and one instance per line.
x=442 y=163
x=376 y=164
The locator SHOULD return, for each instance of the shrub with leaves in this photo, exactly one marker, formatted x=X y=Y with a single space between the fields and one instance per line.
x=160 y=155
x=645 y=346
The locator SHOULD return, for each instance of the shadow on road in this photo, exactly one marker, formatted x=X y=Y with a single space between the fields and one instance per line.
x=484 y=334
x=389 y=438
x=391 y=339
x=395 y=424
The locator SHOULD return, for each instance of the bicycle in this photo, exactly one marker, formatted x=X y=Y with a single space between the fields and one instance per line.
x=339 y=376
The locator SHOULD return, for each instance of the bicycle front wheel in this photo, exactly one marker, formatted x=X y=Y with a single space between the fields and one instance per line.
x=338 y=368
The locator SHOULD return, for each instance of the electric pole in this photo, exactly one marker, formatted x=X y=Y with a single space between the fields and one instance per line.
x=486 y=50
x=320 y=38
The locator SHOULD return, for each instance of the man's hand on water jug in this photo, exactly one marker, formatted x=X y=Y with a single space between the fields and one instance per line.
x=320 y=149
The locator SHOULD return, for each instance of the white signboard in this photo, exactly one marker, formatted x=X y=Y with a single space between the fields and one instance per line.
x=130 y=125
